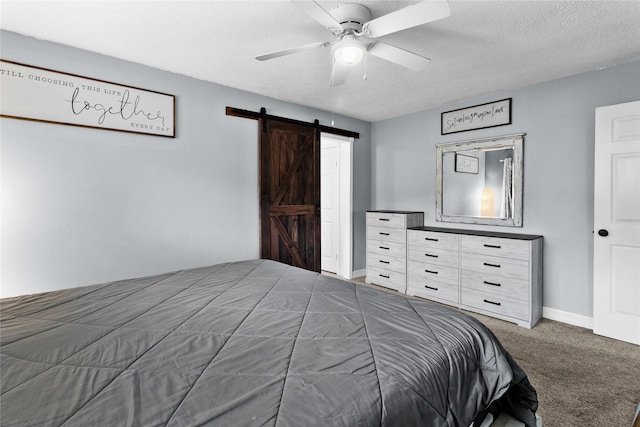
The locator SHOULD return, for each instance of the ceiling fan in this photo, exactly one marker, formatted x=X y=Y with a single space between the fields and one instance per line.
x=356 y=34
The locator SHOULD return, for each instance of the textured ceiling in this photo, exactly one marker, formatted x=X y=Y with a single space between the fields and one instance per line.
x=482 y=48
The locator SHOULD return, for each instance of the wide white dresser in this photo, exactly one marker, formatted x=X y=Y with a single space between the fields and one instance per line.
x=493 y=273
x=387 y=247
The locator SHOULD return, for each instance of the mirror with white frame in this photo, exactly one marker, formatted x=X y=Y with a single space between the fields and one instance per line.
x=480 y=181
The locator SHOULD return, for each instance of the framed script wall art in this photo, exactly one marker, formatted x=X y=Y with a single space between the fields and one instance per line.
x=482 y=116
x=39 y=94
x=466 y=164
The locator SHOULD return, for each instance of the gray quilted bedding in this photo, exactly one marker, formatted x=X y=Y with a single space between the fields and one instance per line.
x=251 y=343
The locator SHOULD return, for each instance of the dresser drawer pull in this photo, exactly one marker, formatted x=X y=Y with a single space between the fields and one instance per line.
x=384 y=234
x=492 y=265
x=432 y=256
x=387 y=262
x=492 y=246
x=430 y=239
x=384 y=247
x=431 y=287
x=384 y=275
x=492 y=302
x=492 y=284
x=383 y=219
x=432 y=272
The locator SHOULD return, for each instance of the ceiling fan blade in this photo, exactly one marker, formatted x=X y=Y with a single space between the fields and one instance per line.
x=402 y=57
x=292 y=50
x=314 y=10
x=339 y=74
x=410 y=16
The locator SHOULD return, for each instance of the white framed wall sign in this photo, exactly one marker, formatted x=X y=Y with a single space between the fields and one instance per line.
x=40 y=94
x=482 y=116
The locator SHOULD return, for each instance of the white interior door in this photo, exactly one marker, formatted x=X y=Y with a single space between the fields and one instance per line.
x=330 y=205
x=616 y=258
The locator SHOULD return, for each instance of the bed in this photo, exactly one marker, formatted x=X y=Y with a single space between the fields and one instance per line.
x=249 y=343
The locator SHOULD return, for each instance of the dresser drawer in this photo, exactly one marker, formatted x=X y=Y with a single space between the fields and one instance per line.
x=386 y=262
x=433 y=256
x=429 y=239
x=506 y=267
x=386 y=278
x=494 y=246
x=392 y=249
x=498 y=285
x=432 y=272
x=433 y=290
x=503 y=305
x=384 y=219
x=387 y=234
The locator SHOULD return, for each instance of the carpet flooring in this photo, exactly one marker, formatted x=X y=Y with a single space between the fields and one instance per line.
x=582 y=379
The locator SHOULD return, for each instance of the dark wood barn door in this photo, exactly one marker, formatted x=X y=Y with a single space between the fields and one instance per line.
x=290 y=193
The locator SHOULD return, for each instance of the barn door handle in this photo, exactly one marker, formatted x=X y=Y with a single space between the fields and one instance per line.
x=602 y=232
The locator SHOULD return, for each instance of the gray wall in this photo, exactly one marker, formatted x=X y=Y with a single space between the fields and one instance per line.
x=83 y=206
x=558 y=119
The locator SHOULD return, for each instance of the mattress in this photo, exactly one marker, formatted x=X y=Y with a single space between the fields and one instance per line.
x=250 y=343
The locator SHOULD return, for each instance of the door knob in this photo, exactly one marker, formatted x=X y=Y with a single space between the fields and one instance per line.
x=603 y=232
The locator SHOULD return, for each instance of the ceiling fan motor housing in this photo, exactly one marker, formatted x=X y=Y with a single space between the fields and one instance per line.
x=351 y=16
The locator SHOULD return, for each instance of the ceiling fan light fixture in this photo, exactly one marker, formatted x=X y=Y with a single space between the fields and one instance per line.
x=348 y=51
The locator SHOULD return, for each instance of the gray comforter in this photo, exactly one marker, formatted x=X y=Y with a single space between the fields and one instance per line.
x=249 y=343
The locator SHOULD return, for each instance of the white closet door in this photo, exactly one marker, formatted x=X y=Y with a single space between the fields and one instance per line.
x=330 y=205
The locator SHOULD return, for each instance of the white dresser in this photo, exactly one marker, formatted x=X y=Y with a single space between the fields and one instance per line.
x=493 y=273
x=387 y=247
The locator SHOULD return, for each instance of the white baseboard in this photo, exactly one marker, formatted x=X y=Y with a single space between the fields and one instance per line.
x=354 y=274
x=566 y=317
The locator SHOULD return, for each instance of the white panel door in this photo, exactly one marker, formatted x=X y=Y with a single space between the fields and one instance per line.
x=616 y=258
x=330 y=205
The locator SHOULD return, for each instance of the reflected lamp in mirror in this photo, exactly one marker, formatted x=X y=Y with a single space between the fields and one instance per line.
x=487 y=204
x=492 y=194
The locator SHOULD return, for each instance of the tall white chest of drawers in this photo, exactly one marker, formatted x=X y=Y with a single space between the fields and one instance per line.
x=387 y=247
x=493 y=273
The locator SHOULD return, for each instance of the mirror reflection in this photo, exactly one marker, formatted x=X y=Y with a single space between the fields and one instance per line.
x=480 y=181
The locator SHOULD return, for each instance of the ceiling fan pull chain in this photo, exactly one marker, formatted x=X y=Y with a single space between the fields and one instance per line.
x=333 y=67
